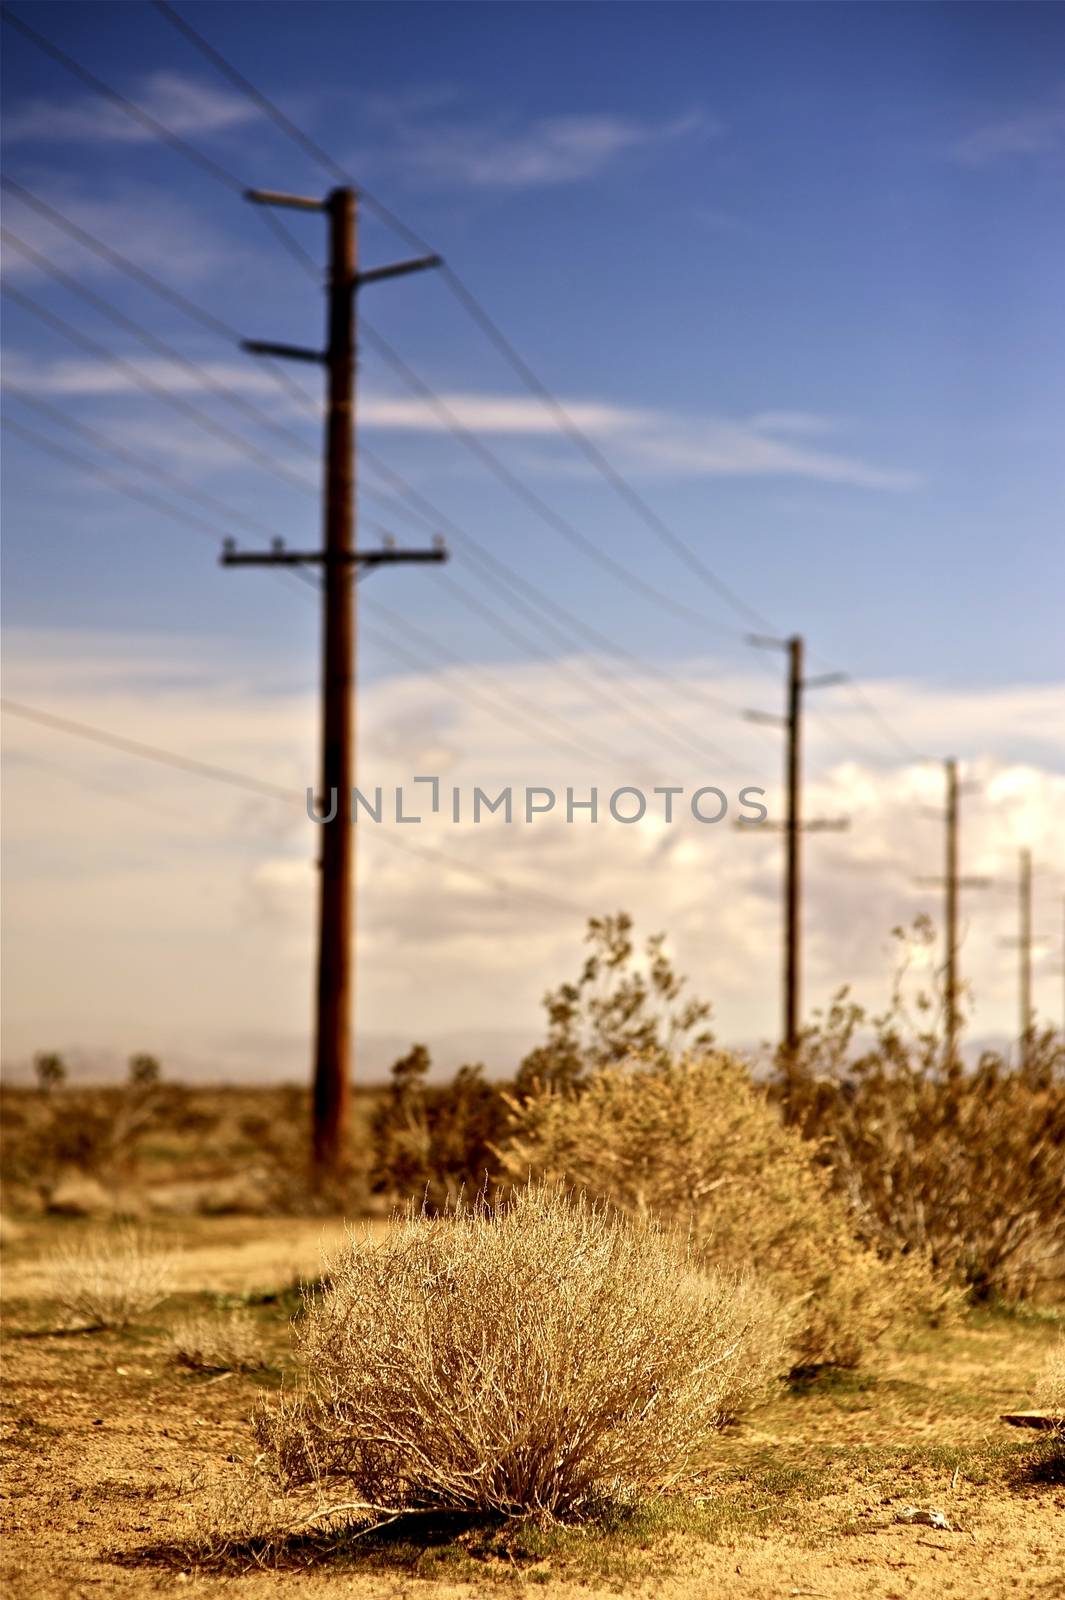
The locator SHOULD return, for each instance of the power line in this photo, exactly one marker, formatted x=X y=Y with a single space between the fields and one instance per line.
x=150 y=752
x=152 y=342
x=160 y=474
x=208 y=530
x=498 y=467
x=205 y=162
x=506 y=347
x=523 y=492
x=132 y=491
x=216 y=170
x=141 y=462
x=583 y=749
x=477 y=311
x=905 y=748
x=173 y=140
x=496 y=708
x=275 y=114
x=517 y=636
x=274 y=791
x=208 y=164
x=310 y=266
x=148 y=280
x=308 y=263
x=176 y=402
x=519 y=591
x=146 y=466
x=486 y=323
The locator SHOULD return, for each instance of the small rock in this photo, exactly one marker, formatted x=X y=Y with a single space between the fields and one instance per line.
x=917 y=1516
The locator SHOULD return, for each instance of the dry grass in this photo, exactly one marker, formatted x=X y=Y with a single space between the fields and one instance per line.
x=124 y=1475
x=111 y=1279
x=696 y=1143
x=532 y=1360
x=225 y=1342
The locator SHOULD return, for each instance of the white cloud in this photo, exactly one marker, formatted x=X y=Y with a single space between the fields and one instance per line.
x=160 y=233
x=144 y=906
x=551 y=150
x=181 y=104
x=1035 y=132
x=90 y=378
x=662 y=443
x=495 y=413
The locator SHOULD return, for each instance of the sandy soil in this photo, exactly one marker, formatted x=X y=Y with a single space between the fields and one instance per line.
x=104 y=1442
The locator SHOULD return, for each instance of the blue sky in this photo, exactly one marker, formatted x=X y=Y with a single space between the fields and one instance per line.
x=847 y=213
x=795 y=268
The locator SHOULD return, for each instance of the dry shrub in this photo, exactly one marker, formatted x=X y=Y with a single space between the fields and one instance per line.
x=435 y=1140
x=111 y=1279
x=1050 y=1390
x=530 y=1359
x=225 y=1342
x=966 y=1165
x=696 y=1143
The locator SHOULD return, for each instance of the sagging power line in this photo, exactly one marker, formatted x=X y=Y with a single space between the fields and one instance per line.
x=233 y=779
x=506 y=347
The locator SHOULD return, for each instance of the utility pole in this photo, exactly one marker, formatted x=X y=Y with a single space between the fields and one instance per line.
x=952 y=883
x=340 y=560
x=951 y=889
x=793 y=824
x=1024 y=944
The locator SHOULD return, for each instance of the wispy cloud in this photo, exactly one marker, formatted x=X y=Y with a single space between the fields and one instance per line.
x=183 y=104
x=662 y=443
x=770 y=444
x=161 y=232
x=1035 y=132
x=549 y=151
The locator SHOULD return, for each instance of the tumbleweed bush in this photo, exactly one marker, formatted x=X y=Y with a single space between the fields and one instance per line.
x=697 y=1143
x=534 y=1358
x=111 y=1279
x=223 y=1342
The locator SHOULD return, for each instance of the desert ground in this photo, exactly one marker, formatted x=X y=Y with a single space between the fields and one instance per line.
x=112 y=1453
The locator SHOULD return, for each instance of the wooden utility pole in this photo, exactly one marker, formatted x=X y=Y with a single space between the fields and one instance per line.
x=339 y=557
x=793 y=825
x=1024 y=944
x=792 y=864
x=335 y=995
x=952 y=883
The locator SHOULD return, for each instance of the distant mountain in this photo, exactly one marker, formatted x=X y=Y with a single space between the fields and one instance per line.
x=268 y=1058
x=272 y=1059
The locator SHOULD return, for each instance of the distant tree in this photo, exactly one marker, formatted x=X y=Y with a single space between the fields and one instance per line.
x=144 y=1071
x=50 y=1070
x=616 y=1009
